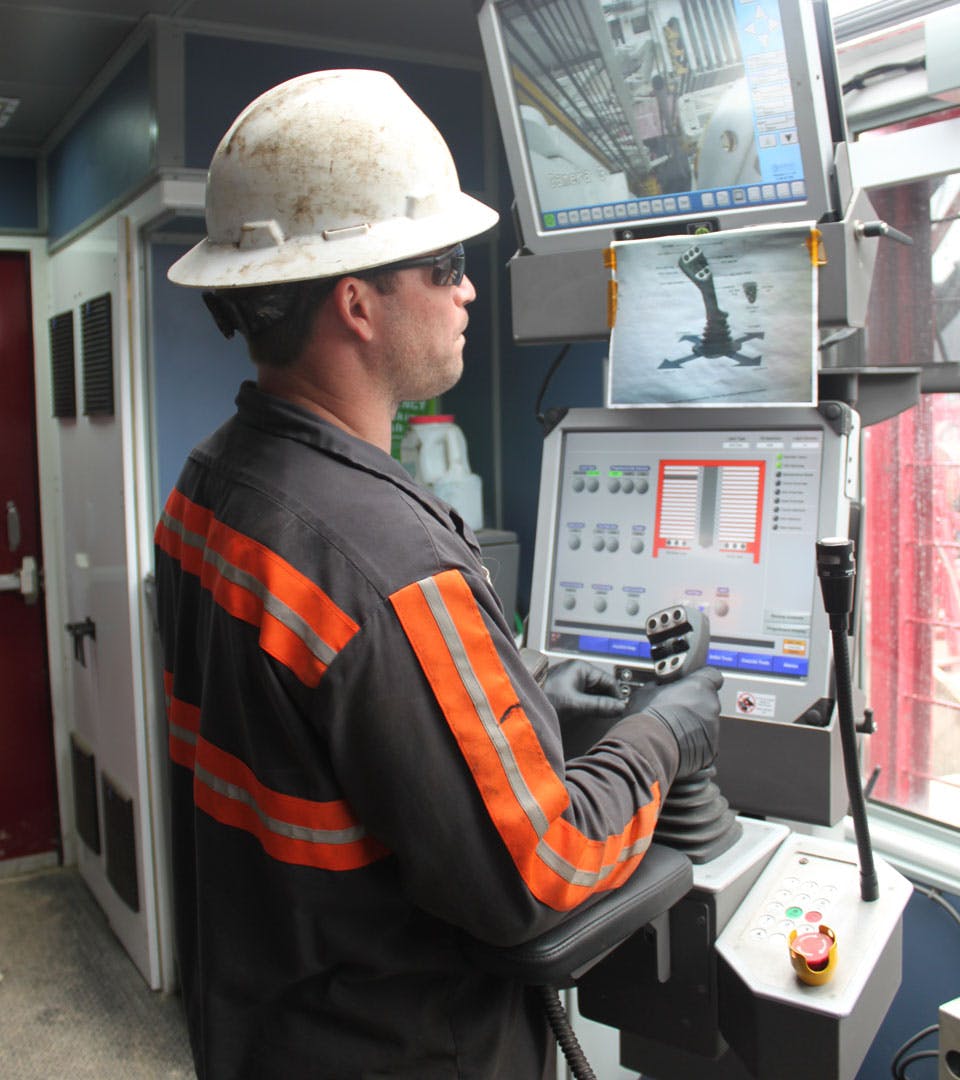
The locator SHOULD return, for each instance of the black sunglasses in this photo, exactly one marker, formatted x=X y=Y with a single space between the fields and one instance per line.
x=448 y=266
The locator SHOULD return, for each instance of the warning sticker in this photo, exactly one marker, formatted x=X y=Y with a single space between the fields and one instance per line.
x=751 y=704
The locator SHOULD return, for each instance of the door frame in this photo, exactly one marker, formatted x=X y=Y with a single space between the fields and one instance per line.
x=49 y=474
x=182 y=192
x=178 y=192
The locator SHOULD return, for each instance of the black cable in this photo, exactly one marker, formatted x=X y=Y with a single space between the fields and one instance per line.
x=557 y=361
x=859 y=82
x=572 y=1051
x=895 y=1063
x=901 y=1075
x=934 y=895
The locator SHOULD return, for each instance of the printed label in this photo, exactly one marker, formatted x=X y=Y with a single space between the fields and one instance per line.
x=751 y=704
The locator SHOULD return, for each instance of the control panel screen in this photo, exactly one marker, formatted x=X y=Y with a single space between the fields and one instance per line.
x=630 y=112
x=723 y=520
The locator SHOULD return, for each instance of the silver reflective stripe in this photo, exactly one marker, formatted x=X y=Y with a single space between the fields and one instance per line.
x=279 y=828
x=584 y=877
x=451 y=637
x=501 y=744
x=183 y=734
x=277 y=608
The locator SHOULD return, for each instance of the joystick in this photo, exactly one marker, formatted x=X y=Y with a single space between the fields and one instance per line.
x=696 y=819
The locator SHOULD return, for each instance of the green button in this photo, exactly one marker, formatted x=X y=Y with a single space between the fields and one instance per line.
x=794 y=912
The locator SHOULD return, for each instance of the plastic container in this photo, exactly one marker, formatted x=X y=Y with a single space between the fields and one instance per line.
x=434 y=452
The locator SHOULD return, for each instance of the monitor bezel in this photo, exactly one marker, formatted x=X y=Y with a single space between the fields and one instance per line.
x=836 y=493
x=813 y=128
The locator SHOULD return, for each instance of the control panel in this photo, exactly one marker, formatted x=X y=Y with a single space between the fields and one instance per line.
x=810 y=1026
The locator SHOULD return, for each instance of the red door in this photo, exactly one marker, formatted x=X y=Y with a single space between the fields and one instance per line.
x=28 y=790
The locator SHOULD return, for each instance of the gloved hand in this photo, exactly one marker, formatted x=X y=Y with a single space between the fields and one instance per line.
x=578 y=690
x=690 y=708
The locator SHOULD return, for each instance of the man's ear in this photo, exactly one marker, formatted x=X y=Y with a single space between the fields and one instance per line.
x=355 y=302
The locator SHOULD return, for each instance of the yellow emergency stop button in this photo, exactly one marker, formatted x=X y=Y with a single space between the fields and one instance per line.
x=813 y=954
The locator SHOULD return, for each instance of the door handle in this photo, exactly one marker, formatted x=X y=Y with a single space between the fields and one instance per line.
x=78 y=631
x=25 y=581
x=13 y=525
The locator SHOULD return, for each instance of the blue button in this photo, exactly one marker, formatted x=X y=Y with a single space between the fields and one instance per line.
x=790 y=665
x=594 y=644
x=722 y=658
x=624 y=648
x=755 y=662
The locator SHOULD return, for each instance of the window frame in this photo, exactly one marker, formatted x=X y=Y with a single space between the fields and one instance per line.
x=922 y=849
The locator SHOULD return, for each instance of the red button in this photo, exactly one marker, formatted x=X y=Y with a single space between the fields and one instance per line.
x=814 y=948
x=813 y=916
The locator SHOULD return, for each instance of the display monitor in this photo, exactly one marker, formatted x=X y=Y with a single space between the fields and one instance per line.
x=644 y=509
x=626 y=117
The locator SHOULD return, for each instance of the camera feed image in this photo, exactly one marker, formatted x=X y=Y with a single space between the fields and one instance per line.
x=637 y=109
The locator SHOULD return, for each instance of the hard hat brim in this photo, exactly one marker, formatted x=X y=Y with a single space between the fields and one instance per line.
x=212 y=265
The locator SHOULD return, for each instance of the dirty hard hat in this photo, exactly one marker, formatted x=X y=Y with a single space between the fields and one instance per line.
x=327 y=174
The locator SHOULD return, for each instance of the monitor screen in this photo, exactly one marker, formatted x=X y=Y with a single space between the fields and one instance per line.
x=626 y=113
x=724 y=520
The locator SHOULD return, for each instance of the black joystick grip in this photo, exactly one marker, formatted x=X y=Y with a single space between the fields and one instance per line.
x=695 y=818
x=679 y=639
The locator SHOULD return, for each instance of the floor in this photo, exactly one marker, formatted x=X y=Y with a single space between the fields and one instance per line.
x=72 y=1005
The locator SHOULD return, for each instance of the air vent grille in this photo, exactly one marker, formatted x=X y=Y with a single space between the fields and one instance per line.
x=85 y=794
x=121 y=842
x=62 y=366
x=97 y=336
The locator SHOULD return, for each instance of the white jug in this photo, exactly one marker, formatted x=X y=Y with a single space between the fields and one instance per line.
x=434 y=452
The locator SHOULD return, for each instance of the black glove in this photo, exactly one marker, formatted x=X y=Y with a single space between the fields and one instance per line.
x=578 y=690
x=690 y=708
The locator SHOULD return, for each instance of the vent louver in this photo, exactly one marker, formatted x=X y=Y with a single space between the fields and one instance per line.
x=62 y=366
x=96 y=332
x=121 y=842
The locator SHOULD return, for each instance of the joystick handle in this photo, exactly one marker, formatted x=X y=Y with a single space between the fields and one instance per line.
x=695 y=817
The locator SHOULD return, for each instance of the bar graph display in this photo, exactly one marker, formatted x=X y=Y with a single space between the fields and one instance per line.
x=710 y=504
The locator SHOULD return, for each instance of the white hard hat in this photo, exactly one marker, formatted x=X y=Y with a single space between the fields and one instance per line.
x=327 y=174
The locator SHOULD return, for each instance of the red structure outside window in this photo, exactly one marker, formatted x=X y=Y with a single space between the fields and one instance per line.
x=911 y=621
x=910 y=559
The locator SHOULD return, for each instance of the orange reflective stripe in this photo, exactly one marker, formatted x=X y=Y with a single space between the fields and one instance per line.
x=184 y=722
x=523 y=795
x=300 y=625
x=325 y=835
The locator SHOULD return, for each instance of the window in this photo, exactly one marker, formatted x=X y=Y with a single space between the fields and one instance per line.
x=910 y=560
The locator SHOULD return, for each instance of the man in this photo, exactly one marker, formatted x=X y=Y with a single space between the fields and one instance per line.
x=363 y=769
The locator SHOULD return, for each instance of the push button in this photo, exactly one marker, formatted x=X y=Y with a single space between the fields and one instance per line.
x=813 y=954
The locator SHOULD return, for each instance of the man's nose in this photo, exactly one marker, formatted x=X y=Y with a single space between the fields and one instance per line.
x=466 y=293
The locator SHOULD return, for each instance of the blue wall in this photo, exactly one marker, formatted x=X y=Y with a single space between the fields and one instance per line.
x=931 y=977
x=451 y=97
x=578 y=383
x=107 y=154
x=19 y=206
x=197 y=371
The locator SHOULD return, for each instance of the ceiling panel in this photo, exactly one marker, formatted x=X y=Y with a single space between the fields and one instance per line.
x=434 y=25
x=50 y=53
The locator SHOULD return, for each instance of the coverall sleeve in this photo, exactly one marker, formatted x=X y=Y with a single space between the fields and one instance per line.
x=451 y=756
